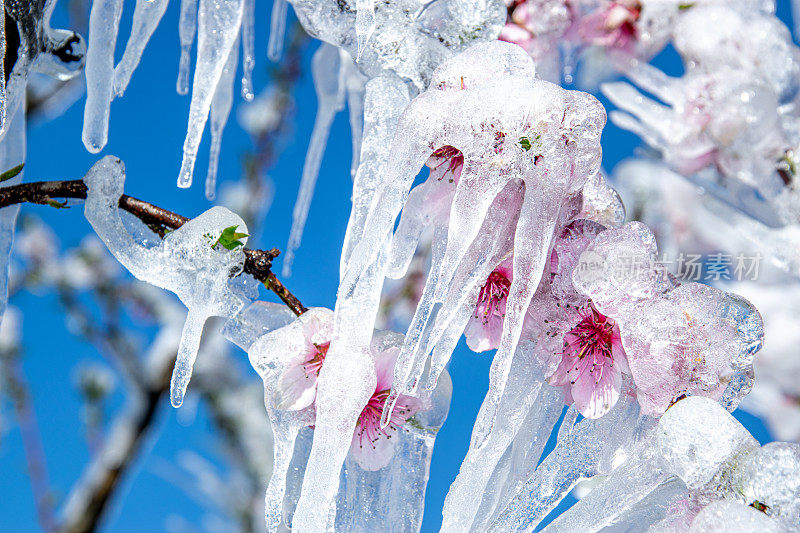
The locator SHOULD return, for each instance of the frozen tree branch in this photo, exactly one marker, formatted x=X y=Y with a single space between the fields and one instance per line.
x=258 y=263
x=87 y=502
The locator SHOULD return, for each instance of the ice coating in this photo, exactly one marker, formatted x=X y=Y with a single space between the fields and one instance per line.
x=727 y=121
x=385 y=98
x=326 y=69
x=696 y=436
x=410 y=41
x=695 y=440
x=271 y=355
x=355 y=83
x=220 y=110
x=365 y=24
x=725 y=516
x=686 y=339
x=348 y=357
x=277 y=29
x=584 y=450
x=103 y=29
x=486 y=478
x=218 y=23
x=710 y=37
x=57 y=53
x=146 y=16
x=187 y=28
x=368 y=499
x=12 y=153
x=409 y=37
x=548 y=138
x=188 y=261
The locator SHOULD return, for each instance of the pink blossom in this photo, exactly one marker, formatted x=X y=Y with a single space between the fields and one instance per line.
x=485 y=326
x=612 y=25
x=688 y=339
x=297 y=387
x=373 y=446
x=592 y=364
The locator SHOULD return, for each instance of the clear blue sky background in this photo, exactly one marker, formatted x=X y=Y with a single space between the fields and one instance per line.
x=147 y=131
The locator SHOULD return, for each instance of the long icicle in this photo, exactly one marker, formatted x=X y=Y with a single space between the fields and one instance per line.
x=220 y=110
x=325 y=68
x=187 y=28
x=103 y=29
x=218 y=28
x=277 y=29
x=146 y=16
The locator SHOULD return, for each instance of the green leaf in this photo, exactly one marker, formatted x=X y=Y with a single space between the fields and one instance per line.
x=57 y=204
x=8 y=174
x=525 y=143
x=759 y=506
x=229 y=238
x=686 y=5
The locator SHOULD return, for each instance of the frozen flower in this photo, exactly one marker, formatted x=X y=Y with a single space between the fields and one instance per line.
x=612 y=24
x=485 y=326
x=592 y=364
x=537 y=26
x=688 y=339
x=373 y=446
x=297 y=387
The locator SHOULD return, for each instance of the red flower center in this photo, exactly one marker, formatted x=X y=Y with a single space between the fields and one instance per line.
x=369 y=421
x=314 y=365
x=492 y=295
x=452 y=157
x=593 y=335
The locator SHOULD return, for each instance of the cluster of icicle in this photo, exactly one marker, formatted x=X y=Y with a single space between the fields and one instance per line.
x=57 y=53
x=355 y=411
x=220 y=26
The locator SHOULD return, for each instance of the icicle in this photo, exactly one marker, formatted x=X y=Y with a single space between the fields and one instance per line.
x=365 y=24
x=54 y=52
x=12 y=154
x=218 y=27
x=385 y=99
x=187 y=27
x=220 y=109
x=796 y=18
x=326 y=70
x=189 y=261
x=354 y=82
x=2 y=67
x=146 y=16
x=103 y=28
x=248 y=49
x=277 y=29
x=471 y=487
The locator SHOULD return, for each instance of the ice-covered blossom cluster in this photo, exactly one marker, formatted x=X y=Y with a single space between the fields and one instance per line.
x=609 y=365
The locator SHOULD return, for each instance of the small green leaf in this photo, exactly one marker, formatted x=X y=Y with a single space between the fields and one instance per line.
x=229 y=238
x=8 y=174
x=790 y=164
x=57 y=204
x=684 y=6
x=525 y=143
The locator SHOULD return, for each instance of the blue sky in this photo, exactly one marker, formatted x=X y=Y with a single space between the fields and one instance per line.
x=147 y=131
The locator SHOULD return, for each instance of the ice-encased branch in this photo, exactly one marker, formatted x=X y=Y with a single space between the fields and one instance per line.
x=258 y=263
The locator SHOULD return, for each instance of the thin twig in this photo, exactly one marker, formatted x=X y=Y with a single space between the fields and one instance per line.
x=258 y=263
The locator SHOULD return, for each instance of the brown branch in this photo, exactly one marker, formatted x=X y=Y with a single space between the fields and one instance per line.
x=258 y=263
x=86 y=504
